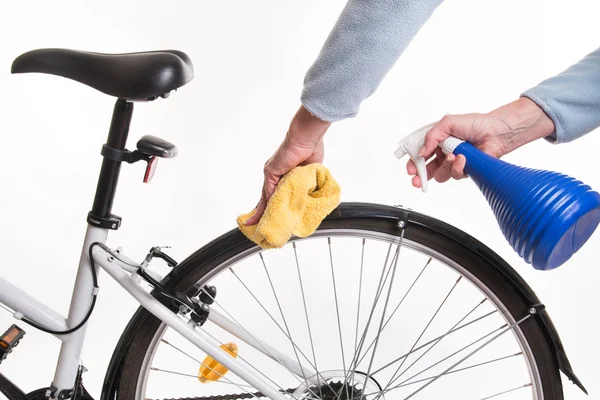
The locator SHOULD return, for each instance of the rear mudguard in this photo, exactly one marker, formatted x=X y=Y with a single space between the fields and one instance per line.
x=354 y=212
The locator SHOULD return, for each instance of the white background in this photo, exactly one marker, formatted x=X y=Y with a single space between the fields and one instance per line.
x=250 y=59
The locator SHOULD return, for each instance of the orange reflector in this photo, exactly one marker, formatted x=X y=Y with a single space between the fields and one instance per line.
x=12 y=334
x=211 y=369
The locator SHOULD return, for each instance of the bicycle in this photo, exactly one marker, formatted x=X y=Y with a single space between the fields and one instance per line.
x=181 y=313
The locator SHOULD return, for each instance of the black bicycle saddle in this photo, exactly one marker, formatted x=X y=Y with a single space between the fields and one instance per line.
x=132 y=76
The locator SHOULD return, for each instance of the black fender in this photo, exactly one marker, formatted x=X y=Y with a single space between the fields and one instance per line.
x=355 y=212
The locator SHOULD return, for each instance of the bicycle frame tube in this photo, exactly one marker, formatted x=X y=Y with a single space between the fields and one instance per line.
x=70 y=351
x=236 y=330
x=196 y=336
x=99 y=219
x=26 y=305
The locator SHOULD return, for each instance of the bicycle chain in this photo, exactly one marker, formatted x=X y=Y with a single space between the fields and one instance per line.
x=229 y=396
x=330 y=395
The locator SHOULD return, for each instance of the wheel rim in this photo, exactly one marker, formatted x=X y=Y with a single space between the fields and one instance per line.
x=517 y=334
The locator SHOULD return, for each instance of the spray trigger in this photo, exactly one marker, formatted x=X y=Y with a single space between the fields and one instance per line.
x=411 y=145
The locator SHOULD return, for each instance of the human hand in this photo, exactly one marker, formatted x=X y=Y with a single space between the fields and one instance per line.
x=302 y=145
x=496 y=133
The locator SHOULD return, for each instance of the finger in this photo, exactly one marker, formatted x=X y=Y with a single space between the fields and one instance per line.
x=260 y=210
x=411 y=169
x=430 y=168
x=458 y=167
x=444 y=171
x=435 y=136
x=434 y=165
x=269 y=186
x=271 y=182
x=416 y=181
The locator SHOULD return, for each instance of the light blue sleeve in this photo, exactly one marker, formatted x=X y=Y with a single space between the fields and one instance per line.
x=571 y=99
x=365 y=43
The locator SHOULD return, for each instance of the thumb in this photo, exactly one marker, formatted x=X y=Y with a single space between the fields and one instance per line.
x=260 y=210
x=269 y=186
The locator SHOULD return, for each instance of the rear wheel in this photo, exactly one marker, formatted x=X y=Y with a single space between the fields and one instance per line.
x=375 y=305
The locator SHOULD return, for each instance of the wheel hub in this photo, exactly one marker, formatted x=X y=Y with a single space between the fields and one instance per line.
x=334 y=385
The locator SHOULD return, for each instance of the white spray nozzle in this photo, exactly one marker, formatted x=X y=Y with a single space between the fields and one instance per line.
x=413 y=143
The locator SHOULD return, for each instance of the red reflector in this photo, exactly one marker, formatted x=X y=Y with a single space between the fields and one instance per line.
x=150 y=168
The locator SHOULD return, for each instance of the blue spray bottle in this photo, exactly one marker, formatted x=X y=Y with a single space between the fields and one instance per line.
x=545 y=216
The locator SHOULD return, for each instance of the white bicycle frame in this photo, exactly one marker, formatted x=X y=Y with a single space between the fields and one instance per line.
x=120 y=269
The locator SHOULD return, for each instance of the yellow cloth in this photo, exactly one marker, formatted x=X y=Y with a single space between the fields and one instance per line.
x=302 y=199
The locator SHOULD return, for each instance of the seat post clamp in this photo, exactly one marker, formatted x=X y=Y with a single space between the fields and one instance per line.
x=112 y=222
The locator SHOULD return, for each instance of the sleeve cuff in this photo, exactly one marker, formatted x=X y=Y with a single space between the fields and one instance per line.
x=321 y=113
x=558 y=135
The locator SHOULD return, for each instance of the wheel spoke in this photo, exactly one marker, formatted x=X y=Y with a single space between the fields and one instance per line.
x=508 y=328
x=200 y=363
x=227 y=382
x=393 y=378
x=451 y=355
x=441 y=338
x=288 y=335
x=337 y=312
x=354 y=362
x=255 y=339
x=461 y=369
x=184 y=353
x=433 y=340
x=337 y=308
x=382 y=280
x=273 y=319
x=276 y=323
x=397 y=307
x=508 y=391
x=287 y=329
x=387 y=299
x=362 y=260
x=307 y=319
x=360 y=279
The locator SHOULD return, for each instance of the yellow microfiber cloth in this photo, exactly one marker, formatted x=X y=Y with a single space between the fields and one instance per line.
x=302 y=199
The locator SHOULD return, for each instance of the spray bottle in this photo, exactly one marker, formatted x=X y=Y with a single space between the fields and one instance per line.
x=545 y=216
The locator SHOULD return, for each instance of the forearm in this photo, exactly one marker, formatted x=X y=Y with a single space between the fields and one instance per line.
x=306 y=130
x=571 y=99
x=365 y=43
x=523 y=121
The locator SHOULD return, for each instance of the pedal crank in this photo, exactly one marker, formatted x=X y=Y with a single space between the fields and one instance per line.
x=10 y=390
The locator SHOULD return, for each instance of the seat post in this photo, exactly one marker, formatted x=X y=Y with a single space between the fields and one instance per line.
x=101 y=216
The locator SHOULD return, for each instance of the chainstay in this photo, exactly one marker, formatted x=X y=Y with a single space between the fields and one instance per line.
x=234 y=396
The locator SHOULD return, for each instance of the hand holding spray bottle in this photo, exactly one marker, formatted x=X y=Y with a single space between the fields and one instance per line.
x=545 y=216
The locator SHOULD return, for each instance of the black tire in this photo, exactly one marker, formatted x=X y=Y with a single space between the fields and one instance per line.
x=502 y=280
